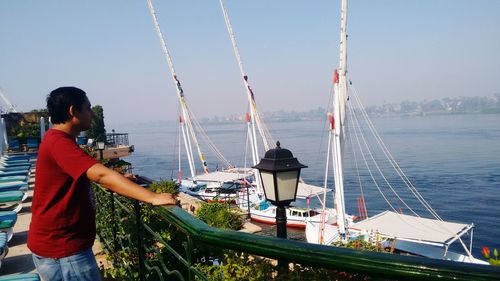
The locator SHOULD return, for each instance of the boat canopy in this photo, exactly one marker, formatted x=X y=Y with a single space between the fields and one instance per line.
x=223 y=176
x=411 y=228
x=305 y=190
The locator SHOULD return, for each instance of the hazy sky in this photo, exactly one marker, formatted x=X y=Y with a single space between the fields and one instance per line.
x=398 y=50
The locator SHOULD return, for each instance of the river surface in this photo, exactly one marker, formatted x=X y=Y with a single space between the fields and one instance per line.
x=453 y=160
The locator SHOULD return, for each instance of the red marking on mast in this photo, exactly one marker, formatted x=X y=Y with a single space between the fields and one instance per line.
x=331 y=121
x=180 y=119
x=336 y=77
x=248 y=117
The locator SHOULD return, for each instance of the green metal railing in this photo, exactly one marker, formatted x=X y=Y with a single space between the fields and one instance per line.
x=166 y=243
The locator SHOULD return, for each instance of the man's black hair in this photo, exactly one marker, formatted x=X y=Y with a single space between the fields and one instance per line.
x=60 y=100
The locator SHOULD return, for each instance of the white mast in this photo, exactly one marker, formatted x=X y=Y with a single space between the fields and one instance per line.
x=187 y=126
x=189 y=150
x=10 y=106
x=4 y=144
x=254 y=114
x=42 y=127
x=339 y=100
x=255 y=118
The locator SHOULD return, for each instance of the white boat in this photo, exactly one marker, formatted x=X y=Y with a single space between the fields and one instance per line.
x=295 y=217
x=219 y=185
x=401 y=233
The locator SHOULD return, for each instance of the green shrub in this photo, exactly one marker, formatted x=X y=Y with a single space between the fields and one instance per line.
x=237 y=266
x=360 y=244
x=164 y=186
x=219 y=215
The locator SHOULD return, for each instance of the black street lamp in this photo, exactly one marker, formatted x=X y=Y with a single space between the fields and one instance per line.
x=279 y=173
x=100 y=146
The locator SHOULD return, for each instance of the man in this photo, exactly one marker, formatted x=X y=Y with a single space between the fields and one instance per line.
x=62 y=229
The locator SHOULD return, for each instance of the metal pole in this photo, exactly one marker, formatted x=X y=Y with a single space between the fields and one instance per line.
x=113 y=219
x=248 y=201
x=101 y=154
x=281 y=222
x=281 y=229
x=137 y=207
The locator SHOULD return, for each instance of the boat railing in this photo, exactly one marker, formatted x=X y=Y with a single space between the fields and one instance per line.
x=117 y=139
x=144 y=242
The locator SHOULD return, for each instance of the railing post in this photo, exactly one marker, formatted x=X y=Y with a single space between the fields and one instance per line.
x=137 y=207
x=113 y=220
x=189 y=252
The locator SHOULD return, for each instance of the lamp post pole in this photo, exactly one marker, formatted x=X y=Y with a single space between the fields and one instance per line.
x=248 y=200
x=279 y=174
x=281 y=222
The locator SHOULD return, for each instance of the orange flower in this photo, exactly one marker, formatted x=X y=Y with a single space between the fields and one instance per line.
x=486 y=252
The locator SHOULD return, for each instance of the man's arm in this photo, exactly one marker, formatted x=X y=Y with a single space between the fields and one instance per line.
x=116 y=182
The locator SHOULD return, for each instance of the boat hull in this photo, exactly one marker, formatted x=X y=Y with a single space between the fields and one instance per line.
x=296 y=218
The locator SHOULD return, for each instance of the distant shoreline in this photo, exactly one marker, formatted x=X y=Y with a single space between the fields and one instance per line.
x=300 y=116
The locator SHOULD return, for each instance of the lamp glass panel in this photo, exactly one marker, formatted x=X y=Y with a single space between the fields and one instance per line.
x=100 y=145
x=287 y=183
x=268 y=182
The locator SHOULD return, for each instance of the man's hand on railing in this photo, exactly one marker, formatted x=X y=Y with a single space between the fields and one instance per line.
x=164 y=199
x=116 y=182
x=130 y=176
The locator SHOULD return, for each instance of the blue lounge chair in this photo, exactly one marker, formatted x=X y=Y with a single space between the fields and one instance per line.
x=12 y=165
x=14 y=145
x=13 y=179
x=4 y=249
x=12 y=158
x=14 y=173
x=32 y=143
x=13 y=186
x=15 y=168
x=7 y=221
x=20 y=277
x=16 y=157
x=11 y=200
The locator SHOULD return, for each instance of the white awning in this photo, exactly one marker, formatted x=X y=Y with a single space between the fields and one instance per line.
x=305 y=190
x=411 y=228
x=220 y=176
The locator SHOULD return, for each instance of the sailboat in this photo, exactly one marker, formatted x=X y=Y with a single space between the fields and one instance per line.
x=260 y=210
x=401 y=233
x=210 y=186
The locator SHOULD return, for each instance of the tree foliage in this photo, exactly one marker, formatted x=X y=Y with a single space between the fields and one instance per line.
x=97 y=130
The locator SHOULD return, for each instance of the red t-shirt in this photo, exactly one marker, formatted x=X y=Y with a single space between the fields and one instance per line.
x=63 y=213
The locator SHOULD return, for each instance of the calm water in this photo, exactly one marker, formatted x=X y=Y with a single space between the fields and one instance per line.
x=454 y=161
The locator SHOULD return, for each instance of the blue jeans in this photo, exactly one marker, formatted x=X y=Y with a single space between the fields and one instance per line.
x=78 y=267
